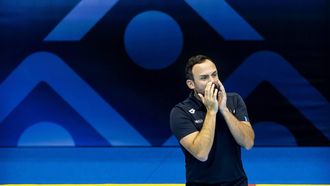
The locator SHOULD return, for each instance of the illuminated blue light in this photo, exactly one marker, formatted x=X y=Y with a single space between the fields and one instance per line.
x=49 y=68
x=280 y=135
x=46 y=134
x=80 y=20
x=153 y=40
x=273 y=68
x=225 y=20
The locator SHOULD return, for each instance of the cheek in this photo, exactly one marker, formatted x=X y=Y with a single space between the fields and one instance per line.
x=200 y=87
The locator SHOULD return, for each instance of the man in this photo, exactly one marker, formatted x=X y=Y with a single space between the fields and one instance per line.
x=211 y=127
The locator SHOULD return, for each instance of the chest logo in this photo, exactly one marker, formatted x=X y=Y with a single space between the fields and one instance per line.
x=192 y=111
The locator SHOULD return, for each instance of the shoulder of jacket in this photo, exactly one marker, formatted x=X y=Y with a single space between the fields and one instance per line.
x=232 y=94
x=184 y=105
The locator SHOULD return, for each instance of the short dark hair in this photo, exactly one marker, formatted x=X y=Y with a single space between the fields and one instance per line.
x=197 y=59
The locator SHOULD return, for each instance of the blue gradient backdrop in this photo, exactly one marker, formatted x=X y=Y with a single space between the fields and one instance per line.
x=108 y=72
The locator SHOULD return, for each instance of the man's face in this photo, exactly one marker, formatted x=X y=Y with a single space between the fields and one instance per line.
x=204 y=73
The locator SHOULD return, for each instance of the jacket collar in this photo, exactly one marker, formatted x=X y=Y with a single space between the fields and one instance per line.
x=195 y=102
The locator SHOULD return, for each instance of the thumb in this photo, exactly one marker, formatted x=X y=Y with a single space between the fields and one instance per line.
x=201 y=96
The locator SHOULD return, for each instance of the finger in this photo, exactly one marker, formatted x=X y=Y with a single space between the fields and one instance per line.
x=223 y=93
x=215 y=93
x=201 y=96
x=220 y=95
x=222 y=88
x=208 y=89
x=212 y=89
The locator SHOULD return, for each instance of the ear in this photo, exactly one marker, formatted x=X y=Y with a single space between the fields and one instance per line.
x=190 y=83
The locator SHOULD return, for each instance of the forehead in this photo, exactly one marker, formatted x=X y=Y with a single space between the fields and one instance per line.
x=204 y=68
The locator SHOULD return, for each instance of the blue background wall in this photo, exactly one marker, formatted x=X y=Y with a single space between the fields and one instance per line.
x=107 y=73
x=85 y=73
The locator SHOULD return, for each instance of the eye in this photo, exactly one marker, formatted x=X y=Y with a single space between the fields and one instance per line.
x=203 y=78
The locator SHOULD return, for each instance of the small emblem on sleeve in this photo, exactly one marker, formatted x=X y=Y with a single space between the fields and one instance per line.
x=245 y=118
x=192 y=111
x=199 y=121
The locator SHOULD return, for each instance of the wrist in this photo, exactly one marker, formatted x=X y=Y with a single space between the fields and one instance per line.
x=212 y=112
x=224 y=110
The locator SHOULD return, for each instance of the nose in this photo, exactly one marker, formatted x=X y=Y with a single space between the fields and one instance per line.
x=214 y=80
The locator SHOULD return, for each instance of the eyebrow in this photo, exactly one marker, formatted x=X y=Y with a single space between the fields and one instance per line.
x=205 y=75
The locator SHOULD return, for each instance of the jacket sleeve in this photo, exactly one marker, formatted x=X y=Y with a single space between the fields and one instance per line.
x=181 y=123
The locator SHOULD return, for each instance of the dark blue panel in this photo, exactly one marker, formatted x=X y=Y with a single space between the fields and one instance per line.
x=120 y=64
